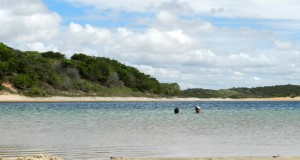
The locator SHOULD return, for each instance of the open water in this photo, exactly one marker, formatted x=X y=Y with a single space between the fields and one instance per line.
x=90 y=131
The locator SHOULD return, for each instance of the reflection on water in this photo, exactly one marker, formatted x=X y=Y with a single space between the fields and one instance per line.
x=149 y=129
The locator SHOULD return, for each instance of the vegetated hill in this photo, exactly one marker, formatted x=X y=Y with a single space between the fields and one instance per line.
x=258 y=92
x=271 y=91
x=51 y=73
x=209 y=93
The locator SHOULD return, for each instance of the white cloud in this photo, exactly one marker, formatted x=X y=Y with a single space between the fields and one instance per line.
x=176 y=7
x=126 y=5
x=282 y=45
x=275 y=9
x=246 y=60
x=38 y=46
x=75 y=28
x=257 y=79
x=293 y=57
x=21 y=22
x=173 y=45
x=168 y=74
x=77 y=34
x=166 y=17
x=153 y=40
x=179 y=36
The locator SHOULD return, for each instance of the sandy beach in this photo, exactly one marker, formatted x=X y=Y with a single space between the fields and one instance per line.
x=20 y=98
x=217 y=158
x=14 y=97
x=45 y=157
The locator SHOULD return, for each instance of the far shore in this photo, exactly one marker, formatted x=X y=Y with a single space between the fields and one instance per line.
x=20 y=98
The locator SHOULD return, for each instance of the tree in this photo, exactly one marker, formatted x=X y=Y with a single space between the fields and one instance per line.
x=35 y=73
x=170 y=89
x=5 y=52
x=3 y=69
x=53 y=55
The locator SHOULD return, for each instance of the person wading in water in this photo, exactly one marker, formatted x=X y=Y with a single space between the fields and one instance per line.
x=176 y=110
x=197 y=109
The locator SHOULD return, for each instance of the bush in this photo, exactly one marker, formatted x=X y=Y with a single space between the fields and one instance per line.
x=234 y=97
x=22 y=81
x=1 y=87
x=53 y=55
x=35 y=92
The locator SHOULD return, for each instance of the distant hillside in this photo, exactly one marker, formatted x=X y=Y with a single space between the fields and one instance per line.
x=50 y=73
x=271 y=91
x=258 y=92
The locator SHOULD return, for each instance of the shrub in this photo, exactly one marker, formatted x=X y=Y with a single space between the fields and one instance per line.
x=234 y=97
x=53 y=55
x=22 y=81
x=35 y=92
x=1 y=87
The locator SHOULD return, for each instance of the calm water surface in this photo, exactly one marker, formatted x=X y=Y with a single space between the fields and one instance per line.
x=150 y=129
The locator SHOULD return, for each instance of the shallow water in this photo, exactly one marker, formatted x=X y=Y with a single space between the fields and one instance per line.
x=150 y=129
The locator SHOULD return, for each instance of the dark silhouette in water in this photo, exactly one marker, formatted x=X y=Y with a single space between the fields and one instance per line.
x=197 y=109
x=176 y=110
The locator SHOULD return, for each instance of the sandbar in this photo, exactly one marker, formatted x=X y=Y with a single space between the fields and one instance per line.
x=20 y=98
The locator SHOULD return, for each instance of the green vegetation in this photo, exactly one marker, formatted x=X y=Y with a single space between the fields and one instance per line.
x=208 y=93
x=51 y=73
x=171 y=89
x=236 y=93
x=271 y=91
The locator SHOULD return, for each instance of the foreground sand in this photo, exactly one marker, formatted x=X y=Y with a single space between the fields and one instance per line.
x=45 y=157
x=35 y=157
x=216 y=158
x=19 y=98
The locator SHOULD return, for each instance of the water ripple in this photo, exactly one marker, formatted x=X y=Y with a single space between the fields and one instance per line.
x=149 y=129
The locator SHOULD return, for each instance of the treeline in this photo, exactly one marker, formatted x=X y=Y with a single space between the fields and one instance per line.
x=209 y=93
x=51 y=73
x=271 y=91
x=235 y=93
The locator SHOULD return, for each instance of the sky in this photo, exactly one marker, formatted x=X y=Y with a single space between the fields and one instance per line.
x=209 y=44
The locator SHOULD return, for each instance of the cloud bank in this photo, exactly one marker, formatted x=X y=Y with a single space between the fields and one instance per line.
x=203 y=44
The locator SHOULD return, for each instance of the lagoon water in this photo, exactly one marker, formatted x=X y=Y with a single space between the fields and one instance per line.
x=90 y=131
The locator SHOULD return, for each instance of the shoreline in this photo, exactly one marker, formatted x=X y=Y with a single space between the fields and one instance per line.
x=20 y=98
x=217 y=158
x=46 y=157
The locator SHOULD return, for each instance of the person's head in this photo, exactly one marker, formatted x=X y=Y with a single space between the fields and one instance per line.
x=197 y=109
x=176 y=110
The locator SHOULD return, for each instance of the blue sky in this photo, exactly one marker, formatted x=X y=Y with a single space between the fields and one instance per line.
x=198 y=44
x=90 y=15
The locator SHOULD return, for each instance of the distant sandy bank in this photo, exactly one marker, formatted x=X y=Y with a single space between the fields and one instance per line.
x=19 y=98
x=216 y=158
